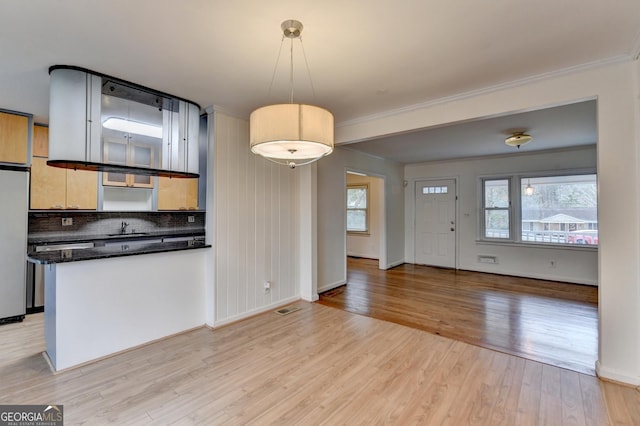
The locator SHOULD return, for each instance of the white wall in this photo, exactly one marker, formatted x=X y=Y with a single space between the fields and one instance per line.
x=332 y=247
x=617 y=90
x=99 y=307
x=368 y=245
x=255 y=220
x=578 y=265
x=127 y=199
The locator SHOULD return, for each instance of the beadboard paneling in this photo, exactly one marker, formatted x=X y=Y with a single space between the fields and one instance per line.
x=255 y=209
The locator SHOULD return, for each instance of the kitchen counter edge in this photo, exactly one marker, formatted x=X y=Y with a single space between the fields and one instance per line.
x=102 y=252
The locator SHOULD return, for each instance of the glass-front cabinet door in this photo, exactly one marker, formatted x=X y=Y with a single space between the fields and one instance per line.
x=133 y=131
x=124 y=153
x=142 y=156
x=115 y=152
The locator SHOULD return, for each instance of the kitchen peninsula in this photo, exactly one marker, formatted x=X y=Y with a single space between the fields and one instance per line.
x=116 y=292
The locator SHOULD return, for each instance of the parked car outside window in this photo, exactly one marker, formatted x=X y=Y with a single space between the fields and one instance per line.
x=585 y=236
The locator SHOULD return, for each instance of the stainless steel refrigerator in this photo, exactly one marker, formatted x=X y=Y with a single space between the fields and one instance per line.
x=14 y=199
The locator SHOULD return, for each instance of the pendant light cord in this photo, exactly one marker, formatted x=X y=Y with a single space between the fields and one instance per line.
x=275 y=68
x=306 y=62
x=291 y=73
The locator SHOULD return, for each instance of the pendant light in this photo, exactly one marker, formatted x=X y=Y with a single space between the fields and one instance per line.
x=291 y=134
x=529 y=190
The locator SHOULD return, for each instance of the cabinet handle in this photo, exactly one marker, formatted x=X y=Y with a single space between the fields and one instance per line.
x=57 y=207
x=73 y=207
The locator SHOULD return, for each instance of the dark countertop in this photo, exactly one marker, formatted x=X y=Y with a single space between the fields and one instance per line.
x=78 y=238
x=114 y=249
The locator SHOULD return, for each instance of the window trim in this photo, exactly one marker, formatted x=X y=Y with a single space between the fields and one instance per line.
x=484 y=208
x=515 y=218
x=366 y=210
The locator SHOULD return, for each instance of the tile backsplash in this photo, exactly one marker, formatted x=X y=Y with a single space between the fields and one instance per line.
x=50 y=224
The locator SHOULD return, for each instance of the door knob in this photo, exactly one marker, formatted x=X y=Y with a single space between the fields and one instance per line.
x=452 y=229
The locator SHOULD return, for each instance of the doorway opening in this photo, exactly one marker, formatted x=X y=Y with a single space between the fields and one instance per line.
x=365 y=227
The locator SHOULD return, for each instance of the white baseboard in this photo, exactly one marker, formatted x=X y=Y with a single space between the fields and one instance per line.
x=617 y=376
x=393 y=264
x=314 y=298
x=546 y=277
x=364 y=255
x=253 y=312
x=331 y=286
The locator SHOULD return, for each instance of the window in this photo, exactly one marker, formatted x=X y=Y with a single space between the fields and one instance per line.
x=546 y=209
x=358 y=208
x=559 y=209
x=496 y=205
x=435 y=189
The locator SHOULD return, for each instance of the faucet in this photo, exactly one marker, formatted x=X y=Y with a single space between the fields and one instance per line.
x=123 y=227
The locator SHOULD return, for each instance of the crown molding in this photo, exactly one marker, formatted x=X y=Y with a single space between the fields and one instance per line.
x=346 y=147
x=490 y=89
x=592 y=146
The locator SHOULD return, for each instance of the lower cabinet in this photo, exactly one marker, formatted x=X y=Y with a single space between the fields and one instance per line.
x=177 y=194
x=57 y=188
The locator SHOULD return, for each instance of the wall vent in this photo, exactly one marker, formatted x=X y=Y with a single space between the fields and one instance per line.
x=487 y=259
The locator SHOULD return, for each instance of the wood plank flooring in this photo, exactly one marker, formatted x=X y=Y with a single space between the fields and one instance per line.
x=554 y=323
x=316 y=366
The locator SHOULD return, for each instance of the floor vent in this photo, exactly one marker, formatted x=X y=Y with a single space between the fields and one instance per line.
x=287 y=311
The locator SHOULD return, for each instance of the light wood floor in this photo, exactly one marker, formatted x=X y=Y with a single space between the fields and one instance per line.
x=318 y=365
x=554 y=323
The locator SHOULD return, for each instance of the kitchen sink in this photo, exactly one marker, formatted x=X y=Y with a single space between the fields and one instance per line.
x=128 y=245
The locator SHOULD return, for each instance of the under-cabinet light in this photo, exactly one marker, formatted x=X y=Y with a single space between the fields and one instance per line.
x=136 y=127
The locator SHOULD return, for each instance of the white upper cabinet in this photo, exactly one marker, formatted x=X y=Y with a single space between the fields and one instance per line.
x=91 y=113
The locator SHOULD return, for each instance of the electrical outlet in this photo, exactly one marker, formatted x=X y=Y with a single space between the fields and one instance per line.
x=267 y=286
x=191 y=219
x=67 y=221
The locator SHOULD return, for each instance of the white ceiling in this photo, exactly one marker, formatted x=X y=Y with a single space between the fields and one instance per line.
x=366 y=57
x=551 y=128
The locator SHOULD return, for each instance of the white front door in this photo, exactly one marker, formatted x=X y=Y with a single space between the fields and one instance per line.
x=435 y=223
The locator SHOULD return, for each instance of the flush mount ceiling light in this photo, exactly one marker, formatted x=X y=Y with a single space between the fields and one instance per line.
x=518 y=139
x=291 y=134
